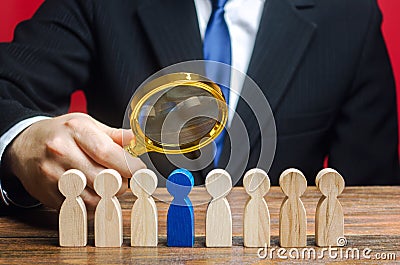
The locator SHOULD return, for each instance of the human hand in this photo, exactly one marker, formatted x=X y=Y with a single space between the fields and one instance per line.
x=46 y=149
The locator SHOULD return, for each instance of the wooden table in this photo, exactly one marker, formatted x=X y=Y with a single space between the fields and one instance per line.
x=372 y=220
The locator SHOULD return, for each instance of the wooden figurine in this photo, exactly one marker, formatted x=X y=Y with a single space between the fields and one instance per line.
x=292 y=217
x=329 y=218
x=108 y=215
x=144 y=225
x=219 y=218
x=180 y=218
x=256 y=218
x=73 y=215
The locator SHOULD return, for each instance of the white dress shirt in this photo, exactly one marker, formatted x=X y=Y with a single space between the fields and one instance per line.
x=243 y=19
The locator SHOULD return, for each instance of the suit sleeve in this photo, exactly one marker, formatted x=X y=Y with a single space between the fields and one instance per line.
x=48 y=59
x=364 y=145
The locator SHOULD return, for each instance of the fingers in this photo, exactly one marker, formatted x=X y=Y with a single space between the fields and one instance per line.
x=123 y=137
x=69 y=155
x=90 y=198
x=124 y=187
x=133 y=163
x=100 y=147
x=66 y=152
x=46 y=149
x=48 y=175
x=119 y=136
x=62 y=155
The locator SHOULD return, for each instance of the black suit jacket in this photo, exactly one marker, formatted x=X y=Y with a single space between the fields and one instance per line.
x=322 y=65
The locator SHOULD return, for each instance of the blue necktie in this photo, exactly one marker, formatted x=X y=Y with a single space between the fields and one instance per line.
x=217 y=47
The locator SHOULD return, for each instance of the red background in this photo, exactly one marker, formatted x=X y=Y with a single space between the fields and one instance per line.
x=13 y=11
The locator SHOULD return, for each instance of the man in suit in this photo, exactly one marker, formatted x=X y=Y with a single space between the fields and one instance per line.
x=322 y=65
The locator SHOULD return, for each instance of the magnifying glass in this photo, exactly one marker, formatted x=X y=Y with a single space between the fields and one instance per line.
x=176 y=113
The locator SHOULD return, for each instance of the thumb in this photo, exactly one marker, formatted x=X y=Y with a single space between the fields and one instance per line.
x=121 y=137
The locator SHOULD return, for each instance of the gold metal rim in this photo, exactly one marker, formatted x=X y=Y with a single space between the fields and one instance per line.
x=171 y=80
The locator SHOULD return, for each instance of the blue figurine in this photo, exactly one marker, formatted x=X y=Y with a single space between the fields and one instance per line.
x=180 y=219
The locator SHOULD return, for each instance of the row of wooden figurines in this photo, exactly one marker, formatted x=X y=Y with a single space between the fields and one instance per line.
x=329 y=219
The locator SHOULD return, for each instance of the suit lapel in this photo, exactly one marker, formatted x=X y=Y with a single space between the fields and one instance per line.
x=304 y=3
x=282 y=40
x=172 y=29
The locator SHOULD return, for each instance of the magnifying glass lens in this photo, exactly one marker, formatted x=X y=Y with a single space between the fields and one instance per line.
x=176 y=113
x=179 y=116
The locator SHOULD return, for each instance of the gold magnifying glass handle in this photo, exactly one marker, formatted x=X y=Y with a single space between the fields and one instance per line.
x=135 y=148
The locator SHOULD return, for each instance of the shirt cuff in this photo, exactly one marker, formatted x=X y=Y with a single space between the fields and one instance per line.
x=5 y=140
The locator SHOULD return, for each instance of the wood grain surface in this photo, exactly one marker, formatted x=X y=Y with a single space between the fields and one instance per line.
x=372 y=219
